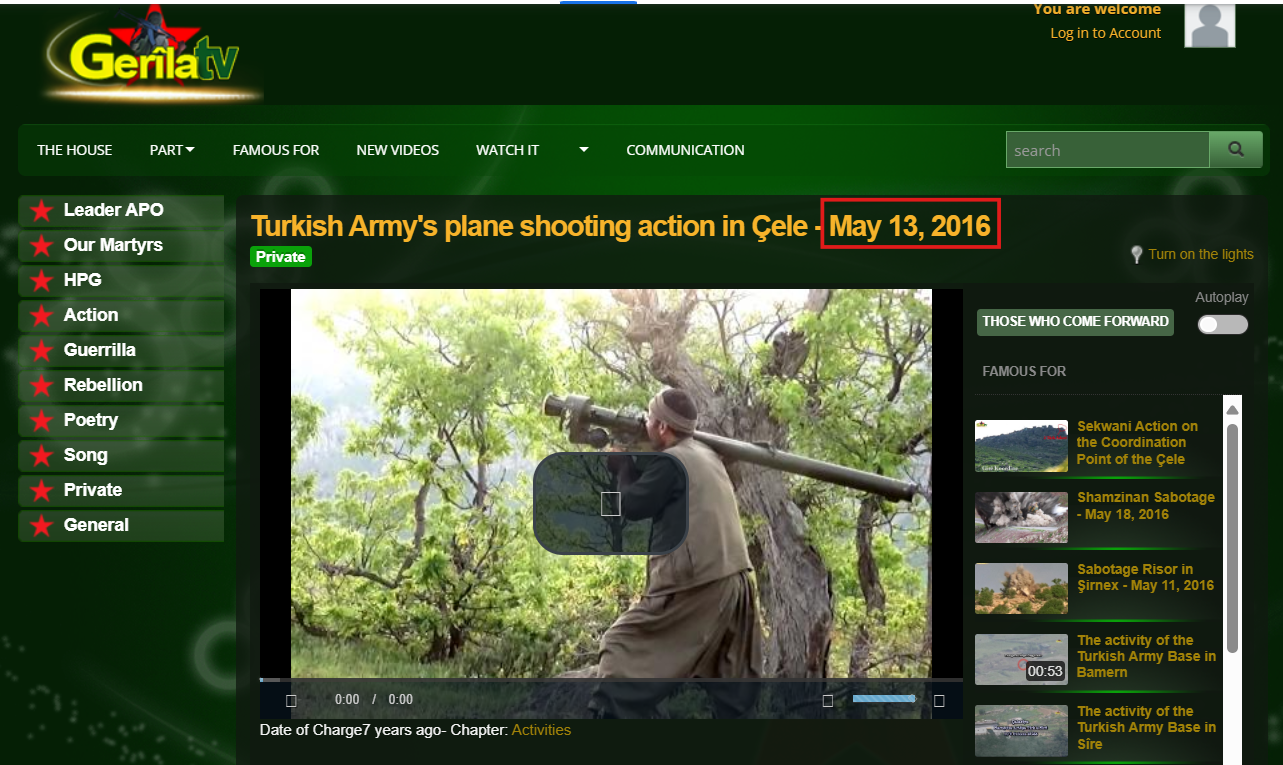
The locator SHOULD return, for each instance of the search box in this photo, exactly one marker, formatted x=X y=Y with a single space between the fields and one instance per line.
x=1135 y=149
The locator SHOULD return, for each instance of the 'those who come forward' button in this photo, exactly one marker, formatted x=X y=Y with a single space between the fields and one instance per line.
x=280 y=257
x=1072 y=322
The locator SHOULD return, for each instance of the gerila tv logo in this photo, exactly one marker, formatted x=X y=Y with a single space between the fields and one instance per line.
x=142 y=59
x=157 y=51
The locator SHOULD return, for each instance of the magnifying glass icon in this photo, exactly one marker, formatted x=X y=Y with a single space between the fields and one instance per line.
x=1236 y=148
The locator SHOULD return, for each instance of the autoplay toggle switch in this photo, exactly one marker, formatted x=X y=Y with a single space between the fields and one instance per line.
x=1229 y=324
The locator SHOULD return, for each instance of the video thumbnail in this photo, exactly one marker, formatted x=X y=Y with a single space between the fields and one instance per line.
x=1034 y=588
x=1022 y=516
x=1022 y=730
x=1022 y=446
x=1004 y=659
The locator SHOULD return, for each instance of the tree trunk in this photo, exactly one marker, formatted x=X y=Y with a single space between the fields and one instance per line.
x=795 y=591
x=926 y=636
x=875 y=600
x=798 y=603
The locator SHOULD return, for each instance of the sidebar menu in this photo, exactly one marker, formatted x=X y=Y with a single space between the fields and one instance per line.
x=121 y=389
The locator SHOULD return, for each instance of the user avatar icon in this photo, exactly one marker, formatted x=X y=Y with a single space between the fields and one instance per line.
x=1209 y=26
x=1209 y=35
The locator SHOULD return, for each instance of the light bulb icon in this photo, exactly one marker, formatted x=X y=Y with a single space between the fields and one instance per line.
x=1137 y=251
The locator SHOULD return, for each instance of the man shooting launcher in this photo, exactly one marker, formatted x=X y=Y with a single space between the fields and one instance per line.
x=698 y=617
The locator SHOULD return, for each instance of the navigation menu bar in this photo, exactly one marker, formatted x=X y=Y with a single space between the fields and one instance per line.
x=487 y=149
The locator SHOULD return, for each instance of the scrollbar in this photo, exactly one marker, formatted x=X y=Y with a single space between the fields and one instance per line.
x=1231 y=576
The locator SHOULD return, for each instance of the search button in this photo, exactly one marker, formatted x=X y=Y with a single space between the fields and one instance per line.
x=1242 y=148
x=1222 y=325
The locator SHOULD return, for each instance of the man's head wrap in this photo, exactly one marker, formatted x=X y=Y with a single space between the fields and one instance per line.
x=662 y=411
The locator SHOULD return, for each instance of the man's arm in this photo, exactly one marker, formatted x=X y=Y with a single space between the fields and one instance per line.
x=651 y=492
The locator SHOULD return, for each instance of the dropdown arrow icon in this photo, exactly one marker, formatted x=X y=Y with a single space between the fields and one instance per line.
x=189 y=148
x=583 y=148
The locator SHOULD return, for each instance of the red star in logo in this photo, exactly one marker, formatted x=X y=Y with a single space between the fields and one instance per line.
x=42 y=281
x=41 y=211
x=181 y=35
x=42 y=491
x=42 y=386
x=42 y=526
x=41 y=420
x=42 y=247
x=42 y=457
x=42 y=316
x=42 y=351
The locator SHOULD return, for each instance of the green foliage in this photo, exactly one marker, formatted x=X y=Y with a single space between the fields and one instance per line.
x=428 y=567
x=862 y=399
x=981 y=611
x=1053 y=606
x=1059 y=591
x=433 y=559
x=1025 y=608
x=1001 y=608
x=986 y=597
x=305 y=417
x=1010 y=592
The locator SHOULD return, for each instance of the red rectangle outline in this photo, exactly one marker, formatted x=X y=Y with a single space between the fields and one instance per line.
x=998 y=223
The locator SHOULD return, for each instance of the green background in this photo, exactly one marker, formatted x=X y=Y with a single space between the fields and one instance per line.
x=176 y=245
x=149 y=351
x=136 y=491
x=127 y=456
x=149 y=608
x=167 y=385
x=188 y=211
x=116 y=280
x=303 y=250
x=135 y=420
x=144 y=526
x=133 y=315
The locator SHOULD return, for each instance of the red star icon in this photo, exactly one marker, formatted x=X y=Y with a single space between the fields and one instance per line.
x=42 y=526
x=42 y=386
x=42 y=351
x=42 y=457
x=42 y=491
x=42 y=247
x=42 y=316
x=42 y=281
x=41 y=420
x=41 y=211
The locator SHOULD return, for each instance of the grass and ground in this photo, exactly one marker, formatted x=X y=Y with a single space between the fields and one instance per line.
x=312 y=656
